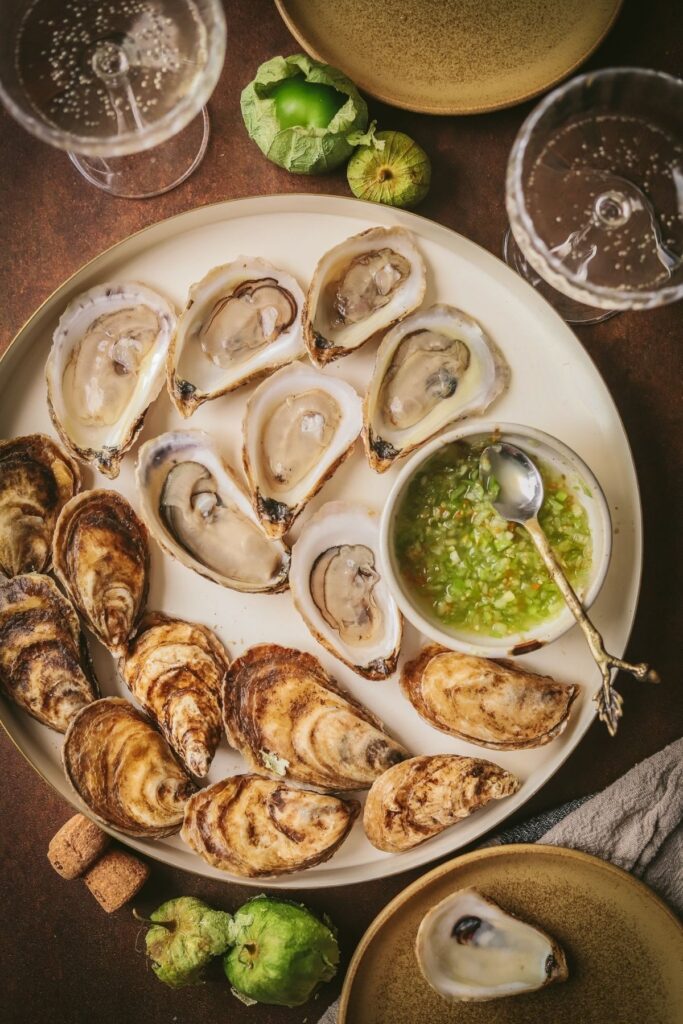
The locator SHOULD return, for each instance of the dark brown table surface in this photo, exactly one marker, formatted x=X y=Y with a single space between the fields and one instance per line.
x=64 y=960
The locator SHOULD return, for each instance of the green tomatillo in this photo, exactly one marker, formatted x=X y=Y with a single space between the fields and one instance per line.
x=389 y=167
x=185 y=934
x=307 y=104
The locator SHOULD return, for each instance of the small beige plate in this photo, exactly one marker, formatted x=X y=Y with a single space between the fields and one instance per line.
x=451 y=56
x=624 y=946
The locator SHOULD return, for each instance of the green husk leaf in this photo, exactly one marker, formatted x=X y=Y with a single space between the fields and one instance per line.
x=184 y=935
x=397 y=174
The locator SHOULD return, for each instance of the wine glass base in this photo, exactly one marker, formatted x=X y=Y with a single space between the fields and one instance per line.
x=569 y=309
x=153 y=171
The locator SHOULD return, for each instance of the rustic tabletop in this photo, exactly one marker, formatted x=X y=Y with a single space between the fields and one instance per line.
x=63 y=959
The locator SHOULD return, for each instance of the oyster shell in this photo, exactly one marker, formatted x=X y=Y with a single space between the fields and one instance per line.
x=175 y=669
x=339 y=590
x=105 y=368
x=299 y=426
x=123 y=770
x=198 y=512
x=101 y=556
x=469 y=949
x=287 y=718
x=37 y=478
x=494 y=704
x=434 y=367
x=44 y=662
x=257 y=828
x=241 y=321
x=419 y=798
x=360 y=287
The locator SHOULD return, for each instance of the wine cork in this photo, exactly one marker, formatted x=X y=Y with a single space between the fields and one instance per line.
x=76 y=846
x=115 y=879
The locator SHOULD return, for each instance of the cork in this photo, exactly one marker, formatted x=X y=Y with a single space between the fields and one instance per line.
x=115 y=879
x=76 y=846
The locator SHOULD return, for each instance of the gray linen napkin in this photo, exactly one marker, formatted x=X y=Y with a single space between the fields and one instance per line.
x=636 y=823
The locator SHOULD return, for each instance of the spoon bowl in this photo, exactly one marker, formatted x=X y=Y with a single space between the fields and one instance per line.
x=512 y=481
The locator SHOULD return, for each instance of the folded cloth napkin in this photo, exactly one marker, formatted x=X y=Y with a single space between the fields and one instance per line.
x=636 y=823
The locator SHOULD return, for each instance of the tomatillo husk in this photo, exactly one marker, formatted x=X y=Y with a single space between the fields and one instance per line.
x=185 y=934
x=391 y=168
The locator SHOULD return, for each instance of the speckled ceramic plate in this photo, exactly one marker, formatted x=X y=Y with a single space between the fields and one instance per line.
x=451 y=56
x=624 y=946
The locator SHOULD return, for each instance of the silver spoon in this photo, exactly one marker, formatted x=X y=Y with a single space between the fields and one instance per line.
x=519 y=500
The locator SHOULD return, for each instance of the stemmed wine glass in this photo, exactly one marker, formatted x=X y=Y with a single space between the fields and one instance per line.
x=120 y=84
x=594 y=193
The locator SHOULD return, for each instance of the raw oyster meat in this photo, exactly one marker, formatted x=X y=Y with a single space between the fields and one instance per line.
x=339 y=591
x=469 y=949
x=106 y=367
x=421 y=797
x=123 y=770
x=434 y=367
x=242 y=321
x=175 y=669
x=299 y=426
x=101 y=556
x=494 y=704
x=44 y=662
x=360 y=287
x=37 y=478
x=287 y=718
x=199 y=512
x=257 y=828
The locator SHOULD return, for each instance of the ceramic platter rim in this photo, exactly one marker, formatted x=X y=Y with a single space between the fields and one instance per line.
x=574 y=404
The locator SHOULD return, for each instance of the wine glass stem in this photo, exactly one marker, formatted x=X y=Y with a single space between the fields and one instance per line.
x=111 y=66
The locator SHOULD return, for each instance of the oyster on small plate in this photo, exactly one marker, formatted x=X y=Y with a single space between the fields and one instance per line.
x=100 y=553
x=287 y=718
x=471 y=950
x=258 y=828
x=361 y=287
x=44 y=662
x=432 y=368
x=106 y=367
x=299 y=426
x=340 y=593
x=199 y=513
x=175 y=669
x=37 y=478
x=241 y=322
x=494 y=704
x=420 y=797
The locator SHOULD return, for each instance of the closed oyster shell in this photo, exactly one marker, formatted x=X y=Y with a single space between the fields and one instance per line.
x=101 y=556
x=421 y=797
x=44 y=662
x=175 y=669
x=494 y=704
x=287 y=718
x=257 y=828
x=124 y=771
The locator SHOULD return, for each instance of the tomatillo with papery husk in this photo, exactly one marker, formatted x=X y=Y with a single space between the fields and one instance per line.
x=390 y=168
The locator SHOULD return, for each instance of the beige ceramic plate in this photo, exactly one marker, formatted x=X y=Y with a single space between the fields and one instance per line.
x=451 y=56
x=624 y=946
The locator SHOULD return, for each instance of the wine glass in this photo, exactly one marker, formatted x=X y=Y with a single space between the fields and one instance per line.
x=594 y=194
x=120 y=84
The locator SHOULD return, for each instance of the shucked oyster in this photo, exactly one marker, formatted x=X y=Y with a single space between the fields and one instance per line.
x=299 y=427
x=105 y=368
x=287 y=718
x=339 y=590
x=257 y=828
x=360 y=287
x=436 y=366
x=198 y=512
x=242 y=321
x=37 y=478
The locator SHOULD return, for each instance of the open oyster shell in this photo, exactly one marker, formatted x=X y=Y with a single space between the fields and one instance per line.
x=241 y=321
x=434 y=367
x=123 y=770
x=44 y=663
x=106 y=367
x=359 y=288
x=257 y=828
x=469 y=949
x=494 y=704
x=340 y=592
x=37 y=478
x=299 y=426
x=199 y=513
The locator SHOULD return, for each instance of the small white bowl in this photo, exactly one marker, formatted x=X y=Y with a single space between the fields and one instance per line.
x=586 y=489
